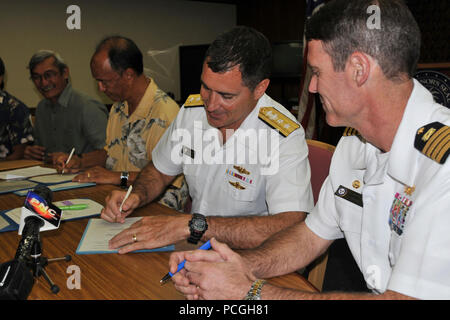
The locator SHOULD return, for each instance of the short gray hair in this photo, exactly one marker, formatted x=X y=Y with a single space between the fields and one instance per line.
x=41 y=55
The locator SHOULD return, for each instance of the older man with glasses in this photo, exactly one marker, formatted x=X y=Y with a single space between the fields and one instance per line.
x=65 y=118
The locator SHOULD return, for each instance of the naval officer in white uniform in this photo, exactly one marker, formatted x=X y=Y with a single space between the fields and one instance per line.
x=244 y=157
x=388 y=191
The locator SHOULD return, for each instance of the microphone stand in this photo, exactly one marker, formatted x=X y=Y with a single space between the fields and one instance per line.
x=38 y=263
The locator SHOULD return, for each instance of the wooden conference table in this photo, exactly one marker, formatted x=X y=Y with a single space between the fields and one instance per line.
x=133 y=276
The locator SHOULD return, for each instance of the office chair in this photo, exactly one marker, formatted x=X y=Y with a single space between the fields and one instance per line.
x=320 y=154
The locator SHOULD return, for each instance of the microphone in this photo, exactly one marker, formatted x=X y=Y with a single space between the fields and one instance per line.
x=38 y=204
x=16 y=276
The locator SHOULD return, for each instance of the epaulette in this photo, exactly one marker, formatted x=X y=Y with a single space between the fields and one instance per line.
x=350 y=132
x=278 y=120
x=433 y=140
x=194 y=100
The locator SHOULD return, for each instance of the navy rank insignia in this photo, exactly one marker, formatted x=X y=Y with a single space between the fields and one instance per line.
x=194 y=100
x=433 y=140
x=278 y=120
x=349 y=131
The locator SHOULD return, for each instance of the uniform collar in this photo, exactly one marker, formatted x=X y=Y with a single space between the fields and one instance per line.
x=417 y=113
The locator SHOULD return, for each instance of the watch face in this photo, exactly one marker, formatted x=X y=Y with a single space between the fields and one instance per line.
x=198 y=224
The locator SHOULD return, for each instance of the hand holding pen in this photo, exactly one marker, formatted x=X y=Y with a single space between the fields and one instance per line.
x=169 y=275
x=68 y=159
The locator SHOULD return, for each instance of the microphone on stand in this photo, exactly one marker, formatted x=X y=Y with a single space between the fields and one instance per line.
x=17 y=275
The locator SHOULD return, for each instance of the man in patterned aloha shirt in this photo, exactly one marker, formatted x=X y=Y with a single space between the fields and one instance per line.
x=138 y=118
x=15 y=125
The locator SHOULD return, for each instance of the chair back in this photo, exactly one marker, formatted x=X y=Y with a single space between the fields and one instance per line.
x=320 y=154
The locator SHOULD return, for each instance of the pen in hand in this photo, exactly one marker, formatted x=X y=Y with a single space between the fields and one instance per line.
x=205 y=246
x=68 y=159
x=126 y=197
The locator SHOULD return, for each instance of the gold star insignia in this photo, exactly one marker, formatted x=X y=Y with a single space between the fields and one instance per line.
x=409 y=190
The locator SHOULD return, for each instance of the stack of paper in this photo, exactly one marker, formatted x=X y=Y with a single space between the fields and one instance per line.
x=26 y=172
x=98 y=233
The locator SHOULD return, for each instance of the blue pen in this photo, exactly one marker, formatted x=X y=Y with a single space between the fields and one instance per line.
x=205 y=246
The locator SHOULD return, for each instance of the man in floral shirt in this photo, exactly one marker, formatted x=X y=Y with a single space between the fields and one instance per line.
x=15 y=124
x=137 y=120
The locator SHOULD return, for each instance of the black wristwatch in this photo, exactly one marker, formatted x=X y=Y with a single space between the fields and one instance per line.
x=124 y=179
x=197 y=227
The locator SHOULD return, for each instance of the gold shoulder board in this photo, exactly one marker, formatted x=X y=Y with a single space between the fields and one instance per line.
x=278 y=120
x=433 y=140
x=350 y=132
x=194 y=100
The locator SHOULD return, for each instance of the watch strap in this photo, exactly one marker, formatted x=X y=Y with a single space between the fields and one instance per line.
x=124 y=179
x=196 y=235
x=255 y=290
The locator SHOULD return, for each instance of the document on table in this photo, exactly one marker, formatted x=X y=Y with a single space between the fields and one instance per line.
x=3 y=223
x=98 y=233
x=61 y=186
x=26 y=172
x=53 y=178
x=93 y=209
x=7 y=186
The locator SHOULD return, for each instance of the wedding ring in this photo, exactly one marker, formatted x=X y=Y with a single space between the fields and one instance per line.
x=134 y=238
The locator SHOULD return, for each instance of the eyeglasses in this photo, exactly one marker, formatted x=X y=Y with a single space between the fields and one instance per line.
x=48 y=75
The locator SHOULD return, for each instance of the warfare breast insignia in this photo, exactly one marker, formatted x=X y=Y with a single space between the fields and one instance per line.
x=433 y=140
x=237 y=185
x=194 y=100
x=399 y=211
x=241 y=170
x=278 y=120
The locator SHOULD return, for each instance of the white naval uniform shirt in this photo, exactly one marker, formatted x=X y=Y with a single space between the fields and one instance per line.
x=235 y=181
x=414 y=257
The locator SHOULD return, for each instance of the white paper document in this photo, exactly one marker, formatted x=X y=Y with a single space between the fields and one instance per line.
x=3 y=223
x=93 y=208
x=54 y=178
x=60 y=187
x=98 y=233
x=26 y=172
x=7 y=186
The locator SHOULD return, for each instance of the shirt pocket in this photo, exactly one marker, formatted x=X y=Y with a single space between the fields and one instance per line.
x=238 y=189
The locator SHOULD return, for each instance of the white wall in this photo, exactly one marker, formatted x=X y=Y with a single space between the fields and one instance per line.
x=157 y=25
